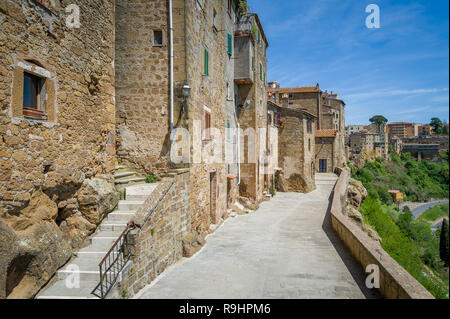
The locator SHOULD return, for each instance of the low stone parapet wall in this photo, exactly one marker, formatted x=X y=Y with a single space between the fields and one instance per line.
x=395 y=281
x=157 y=242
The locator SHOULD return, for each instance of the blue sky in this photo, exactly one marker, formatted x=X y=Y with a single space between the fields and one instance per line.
x=400 y=70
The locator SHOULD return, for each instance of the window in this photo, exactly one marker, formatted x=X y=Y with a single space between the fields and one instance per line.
x=277 y=119
x=253 y=62
x=229 y=96
x=230 y=44
x=260 y=72
x=230 y=7
x=309 y=125
x=291 y=96
x=228 y=131
x=309 y=144
x=215 y=19
x=205 y=62
x=33 y=96
x=207 y=126
x=157 y=38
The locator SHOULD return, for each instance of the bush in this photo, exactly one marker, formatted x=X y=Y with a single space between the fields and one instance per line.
x=150 y=179
x=409 y=243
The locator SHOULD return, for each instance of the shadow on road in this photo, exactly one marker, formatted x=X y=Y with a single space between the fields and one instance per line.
x=354 y=267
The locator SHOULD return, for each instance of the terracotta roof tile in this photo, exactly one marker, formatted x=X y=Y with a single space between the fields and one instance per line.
x=304 y=89
x=326 y=133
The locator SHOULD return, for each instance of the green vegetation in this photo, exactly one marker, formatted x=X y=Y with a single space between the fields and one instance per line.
x=150 y=179
x=379 y=119
x=419 y=181
x=272 y=192
x=439 y=127
x=122 y=194
x=443 y=245
x=435 y=213
x=410 y=242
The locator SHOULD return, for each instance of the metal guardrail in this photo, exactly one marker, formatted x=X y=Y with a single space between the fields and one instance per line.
x=114 y=262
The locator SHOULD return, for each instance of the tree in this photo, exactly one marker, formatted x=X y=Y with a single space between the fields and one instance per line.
x=443 y=245
x=379 y=119
x=404 y=221
x=436 y=123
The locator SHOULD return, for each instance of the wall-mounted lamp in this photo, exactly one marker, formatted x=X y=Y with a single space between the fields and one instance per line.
x=186 y=91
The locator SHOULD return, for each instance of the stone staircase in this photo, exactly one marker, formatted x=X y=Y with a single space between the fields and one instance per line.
x=86 y=262
x=125 y=176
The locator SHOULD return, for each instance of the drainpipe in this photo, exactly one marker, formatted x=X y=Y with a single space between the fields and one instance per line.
x=171 y=69
x=238 y=144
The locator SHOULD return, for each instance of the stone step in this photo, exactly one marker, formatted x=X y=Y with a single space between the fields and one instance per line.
x=118 y=216
x=59 y=290
x=129 y=205
x=121 y=175
x=93 y=254
x=83 y=275
x=107 y=241
x=139 y=192
x=119 y=167
x=113 y=226
x=130 y=180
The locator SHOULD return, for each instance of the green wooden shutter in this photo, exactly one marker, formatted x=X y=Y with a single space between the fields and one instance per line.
x=230 y=44
x=260 y=71
x=206 y=62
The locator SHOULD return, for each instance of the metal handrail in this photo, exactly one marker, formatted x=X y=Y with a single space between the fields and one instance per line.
x=114 y=261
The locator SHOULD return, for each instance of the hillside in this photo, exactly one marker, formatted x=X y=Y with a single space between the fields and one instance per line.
x=410 y=242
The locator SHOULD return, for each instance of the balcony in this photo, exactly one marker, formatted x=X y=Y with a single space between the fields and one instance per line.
x=244 y=59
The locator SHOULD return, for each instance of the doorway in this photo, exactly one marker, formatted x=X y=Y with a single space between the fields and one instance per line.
x=323 y=166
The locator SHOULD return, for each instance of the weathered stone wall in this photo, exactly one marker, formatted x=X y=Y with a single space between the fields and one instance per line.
x=326 y=150
x=142 y=84
x=296 y=148
x=395 y=282
x=312 y=102
x=208 y=93
x=254 y=117
x=52 y=168
x=163 y=222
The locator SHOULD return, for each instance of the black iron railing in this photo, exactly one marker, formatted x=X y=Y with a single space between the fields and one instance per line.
x=114 y=261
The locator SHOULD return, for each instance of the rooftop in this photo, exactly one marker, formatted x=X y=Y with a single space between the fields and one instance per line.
x=303 y=89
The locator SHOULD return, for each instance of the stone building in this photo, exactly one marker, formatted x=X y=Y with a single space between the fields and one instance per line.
x=369 y=145
x=401 y=129
x=333 y=118
x=350 y=129
x=396 y=144
x=296 y=148
x=57 y=136
x=329 y=112
x=251 y=99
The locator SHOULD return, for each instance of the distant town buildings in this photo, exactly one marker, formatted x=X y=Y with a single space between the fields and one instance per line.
x=367 y=142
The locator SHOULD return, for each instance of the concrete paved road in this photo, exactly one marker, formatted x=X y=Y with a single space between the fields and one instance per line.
x=286 y=249
x=418 y=211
